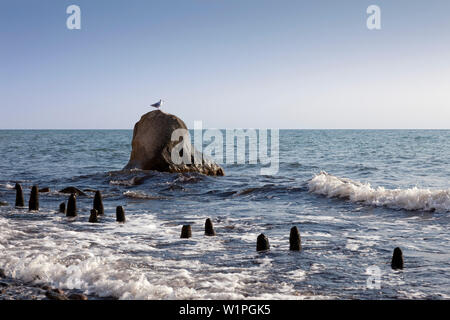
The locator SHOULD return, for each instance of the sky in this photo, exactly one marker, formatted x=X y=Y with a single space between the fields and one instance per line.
x=229 y=63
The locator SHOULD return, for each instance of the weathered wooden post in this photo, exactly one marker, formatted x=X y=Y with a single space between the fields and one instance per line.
x=209 y=228
x=120 y=214
x=19 y=196
x=295 y=243
x=33 y=204
x=186 y=231
x=62 y=207
x=397 y=259
x=98 y=203
x=93 y=217
x=72 y=206
x=262 y=243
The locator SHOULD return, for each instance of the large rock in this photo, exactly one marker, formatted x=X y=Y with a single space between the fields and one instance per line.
x=152 y=147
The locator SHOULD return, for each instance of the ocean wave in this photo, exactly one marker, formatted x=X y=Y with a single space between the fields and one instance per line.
x=127 y=183
x=408 y=199
x=268 y=189
x=8 y=185
x=188 y=178
x=134 y=181
x=247 y=191
x=141 y=195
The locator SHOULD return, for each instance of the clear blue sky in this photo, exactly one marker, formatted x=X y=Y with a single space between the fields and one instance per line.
x=230 y=63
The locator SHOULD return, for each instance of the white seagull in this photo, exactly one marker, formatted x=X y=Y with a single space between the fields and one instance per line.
x=157 y=105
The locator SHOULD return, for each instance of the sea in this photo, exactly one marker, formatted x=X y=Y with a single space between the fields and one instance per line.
x=354 y=196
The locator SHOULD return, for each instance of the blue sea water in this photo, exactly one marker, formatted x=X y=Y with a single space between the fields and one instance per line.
x=354 y=195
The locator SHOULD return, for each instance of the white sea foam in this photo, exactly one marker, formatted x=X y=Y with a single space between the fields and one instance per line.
x=128 y=183
x=140 y=195
x=409 y=199
x=122 y=260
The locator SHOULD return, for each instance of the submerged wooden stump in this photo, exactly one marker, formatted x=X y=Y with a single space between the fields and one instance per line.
x=209 y=228
x=262 y=243
x=295 y=243
x=186 y=231
x=120 y=214
x=93 y=217
x=98 y=203
x=397 y=259
x=72 y=206
x=19 y=196
x=33 y=204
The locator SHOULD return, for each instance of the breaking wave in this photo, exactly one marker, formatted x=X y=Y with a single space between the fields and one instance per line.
x=408 y=199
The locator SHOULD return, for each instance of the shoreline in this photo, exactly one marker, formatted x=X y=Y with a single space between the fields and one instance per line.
x=15 y=289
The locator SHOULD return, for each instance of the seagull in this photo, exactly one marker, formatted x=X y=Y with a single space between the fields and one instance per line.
x=157 y=105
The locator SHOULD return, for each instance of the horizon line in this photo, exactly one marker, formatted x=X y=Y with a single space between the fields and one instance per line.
x=215 y=128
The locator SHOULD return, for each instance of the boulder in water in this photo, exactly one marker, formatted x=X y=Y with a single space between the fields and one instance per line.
x=52 y=295
x=77 y=296
x=152 y=147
